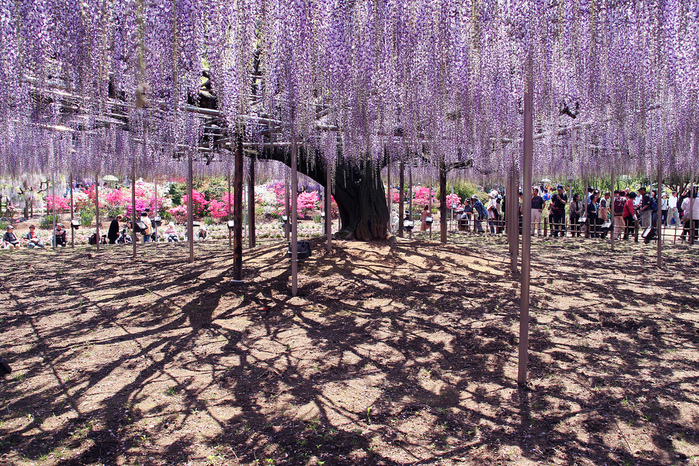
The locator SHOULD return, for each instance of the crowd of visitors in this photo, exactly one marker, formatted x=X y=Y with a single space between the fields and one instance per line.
x=594 y=215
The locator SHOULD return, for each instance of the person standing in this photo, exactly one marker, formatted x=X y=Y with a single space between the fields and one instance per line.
x=664 y=208
x=629 y=214
x=593 y=215
x=558 y=209
x=576 y=209
x=619 y=202
x=113 y=232
x=537 y=208
x=493 y=213
x=424 y=226
x=672 y=212
x=480 y=213
x=149 y=227
x=604 y=207
x=645 y=208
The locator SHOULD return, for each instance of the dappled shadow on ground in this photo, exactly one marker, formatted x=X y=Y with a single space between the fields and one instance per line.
x=403 y=354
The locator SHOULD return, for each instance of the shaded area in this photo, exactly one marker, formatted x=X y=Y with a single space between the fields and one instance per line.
x=401 y=354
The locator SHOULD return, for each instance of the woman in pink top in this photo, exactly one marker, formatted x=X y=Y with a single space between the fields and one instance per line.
x=629 y=216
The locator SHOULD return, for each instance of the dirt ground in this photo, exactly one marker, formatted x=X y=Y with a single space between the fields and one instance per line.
x=390 y=355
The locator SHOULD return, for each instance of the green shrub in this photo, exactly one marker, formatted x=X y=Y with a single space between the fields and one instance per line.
x=86 y=217
x=3 y=225
x=112 y=212
x=208 y=220
x=46 y=222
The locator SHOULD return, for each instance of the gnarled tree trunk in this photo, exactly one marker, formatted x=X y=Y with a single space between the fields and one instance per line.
x=357 y=189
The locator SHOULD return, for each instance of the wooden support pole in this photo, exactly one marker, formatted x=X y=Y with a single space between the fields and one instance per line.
x=328 y=205
x=410 y=197
x=72 y=212
x=294 y=216
x=611 y=208
x=251 y=204
x=97 y=210
x=133 y=204
x=443 y=203
x=190 y=208
x=155 y=211
x=286 y=205
x=389 y=198
x=659 y=213
x=401 y=197
x=230 y=212
x=238 y=212
x=526 y=225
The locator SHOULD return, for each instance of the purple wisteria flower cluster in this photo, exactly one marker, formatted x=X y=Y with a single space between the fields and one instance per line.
x=97 y=86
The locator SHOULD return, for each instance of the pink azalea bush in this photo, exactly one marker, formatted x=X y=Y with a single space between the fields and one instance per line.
x=453 y=200
x=422 y=196
x=62 y=205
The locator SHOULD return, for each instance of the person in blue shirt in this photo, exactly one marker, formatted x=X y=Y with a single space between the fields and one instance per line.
x=482 y=213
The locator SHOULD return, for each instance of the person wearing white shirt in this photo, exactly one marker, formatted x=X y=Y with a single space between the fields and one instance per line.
x=672 y=212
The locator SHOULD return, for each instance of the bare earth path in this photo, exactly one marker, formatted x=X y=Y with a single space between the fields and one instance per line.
x=391 y=355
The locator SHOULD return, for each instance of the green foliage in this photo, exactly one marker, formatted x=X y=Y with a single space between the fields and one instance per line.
x=177 y=190
x=46 y=223
x=3 y=225
x=462 y=189
x=211 y=188
x=208 y=220
x=113 y=211
x=317 y=219
x=86 y=217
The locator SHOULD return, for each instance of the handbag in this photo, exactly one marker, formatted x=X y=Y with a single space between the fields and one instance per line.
x=582 y=219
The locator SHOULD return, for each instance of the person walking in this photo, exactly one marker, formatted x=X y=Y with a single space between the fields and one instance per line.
x=576 y=209
x=619 y=202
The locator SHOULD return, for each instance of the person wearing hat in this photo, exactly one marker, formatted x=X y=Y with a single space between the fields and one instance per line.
x=202 y=233
x=33 y=241
x=493 y=212
x=149 y=227
x=171 y=233
x=9 y=239
x=59 y=236
x=482 y=213
x=558 y=209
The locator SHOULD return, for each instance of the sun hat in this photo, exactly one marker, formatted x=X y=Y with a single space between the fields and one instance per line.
x=10 y=227
x=474 y=197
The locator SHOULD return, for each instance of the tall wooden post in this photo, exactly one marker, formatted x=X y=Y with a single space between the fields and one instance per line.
x=97 y=209
x=401 y=198
x=526 y=224
x=659 y=220
x=389 y=199
x=190 y=207
x=294 y=216
x=53 y=214
x=133 y=203
x=72 y=212
x=251 y=204
x=230 y=212
x=692 y=200
x=410 y=198
x=155 y=211
x=611 y=208
x=328 y=205
x=238 y=212
x=512 y=219
x=286 y=205
x=443 y=202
